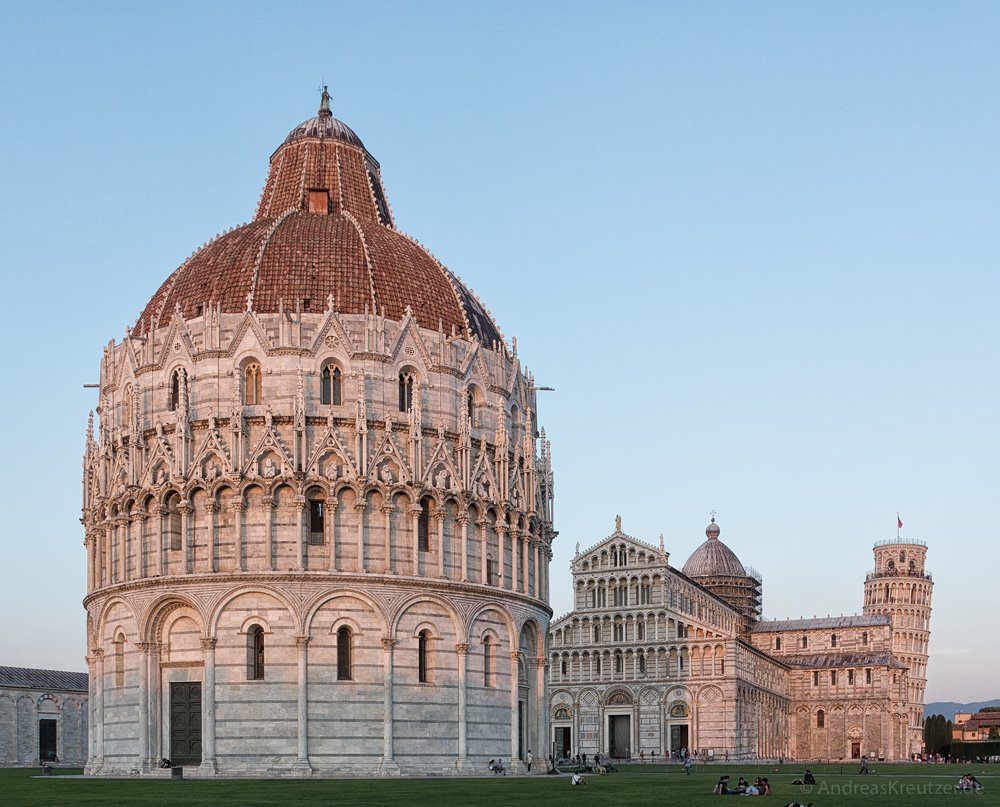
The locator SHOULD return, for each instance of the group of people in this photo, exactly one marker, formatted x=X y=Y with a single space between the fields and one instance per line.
x=760 y=787
x=969 y=784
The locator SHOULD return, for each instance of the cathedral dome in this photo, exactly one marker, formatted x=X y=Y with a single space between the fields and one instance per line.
x=713 y=558
x=323 y=236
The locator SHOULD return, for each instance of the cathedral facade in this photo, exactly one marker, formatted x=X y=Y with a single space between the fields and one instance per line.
x=317 y=508
x=654 y=661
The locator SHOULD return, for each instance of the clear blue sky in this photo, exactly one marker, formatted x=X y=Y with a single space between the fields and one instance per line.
x=753 y=246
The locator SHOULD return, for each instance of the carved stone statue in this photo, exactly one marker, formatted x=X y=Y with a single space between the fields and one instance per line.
x=270 y=469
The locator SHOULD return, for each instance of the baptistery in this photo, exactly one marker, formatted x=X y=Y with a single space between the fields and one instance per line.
x=318 y=510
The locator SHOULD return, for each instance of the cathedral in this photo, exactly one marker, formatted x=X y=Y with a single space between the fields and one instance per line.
x=656 y=661
x=317 y=507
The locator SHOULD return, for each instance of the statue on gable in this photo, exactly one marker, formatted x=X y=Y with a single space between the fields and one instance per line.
x=441 y=480
x=270 y=469
x=162 y=475
x=385 y=474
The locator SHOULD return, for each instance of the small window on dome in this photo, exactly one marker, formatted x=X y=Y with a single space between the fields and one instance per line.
x=319 y=200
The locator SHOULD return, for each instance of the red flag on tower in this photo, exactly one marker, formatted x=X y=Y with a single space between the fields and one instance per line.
x=899 y=522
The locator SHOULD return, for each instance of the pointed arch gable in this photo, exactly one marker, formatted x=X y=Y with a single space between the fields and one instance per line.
x=409 y=335
x=332 y=325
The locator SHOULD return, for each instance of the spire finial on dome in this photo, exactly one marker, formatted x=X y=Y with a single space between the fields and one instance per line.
x=712 y=530
x=324 y=103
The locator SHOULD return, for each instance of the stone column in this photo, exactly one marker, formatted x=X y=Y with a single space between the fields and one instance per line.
x=302 y=765
x=359 y=508
x=212 y=539
x=91 y=717
x=545 y=573
x=267 y=505
x=502 y=531
x=128 y=542
x=484 y=547
x=161 y=538
x=515 y=551
x=415 y=521
x=98 y=656
x=463 y=527
x=387 y=765
x=541 y=703
x=240 y=533
x=515 y=691
x=525 y=568
x=300 y=552
x=155 y=701
x=187 y=551
x=462 y=655
x=100 y=538
x=387 y=509
x=330 y=525
x=208 y=766
x=90 y=543
x=143 y=751
x=439 y=520
x=113 y=550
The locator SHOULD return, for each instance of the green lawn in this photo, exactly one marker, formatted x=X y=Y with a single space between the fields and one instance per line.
x=636 y=786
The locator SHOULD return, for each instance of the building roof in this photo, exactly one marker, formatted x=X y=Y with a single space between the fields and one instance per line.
x=323 y=236
x=26 y=678
x=713 y=558
x=882 y=658
x=981 y=720
x=821 y=623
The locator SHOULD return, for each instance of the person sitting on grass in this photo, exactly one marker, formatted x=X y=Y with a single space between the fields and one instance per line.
x=808 y=779
x=969 y=783
x=722 y=786
x=577 y=779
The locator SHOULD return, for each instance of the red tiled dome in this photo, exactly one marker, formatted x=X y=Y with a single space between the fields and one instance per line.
x=323 y=228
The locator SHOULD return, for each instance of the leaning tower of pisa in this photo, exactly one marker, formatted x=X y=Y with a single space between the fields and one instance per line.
x=901 y=587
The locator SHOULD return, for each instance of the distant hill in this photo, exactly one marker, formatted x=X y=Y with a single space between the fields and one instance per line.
x=948 y=708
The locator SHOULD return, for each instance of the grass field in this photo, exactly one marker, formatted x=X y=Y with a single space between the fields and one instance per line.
x=635 y=786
